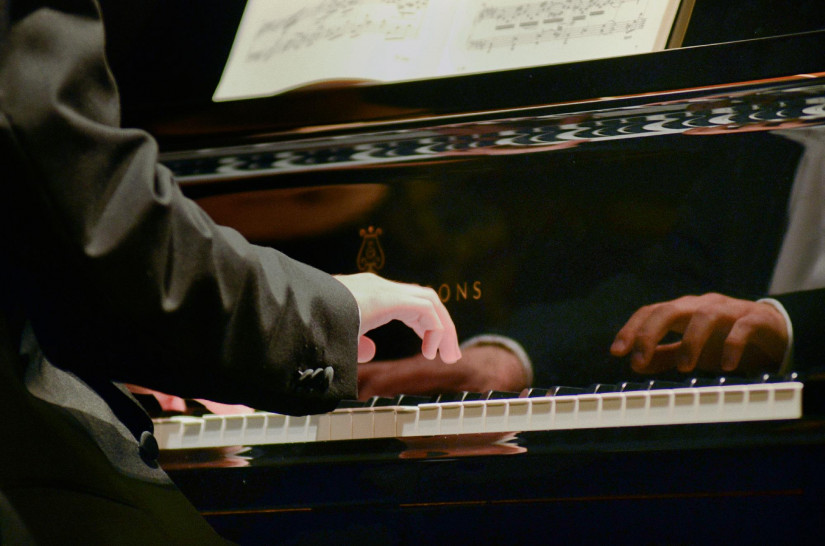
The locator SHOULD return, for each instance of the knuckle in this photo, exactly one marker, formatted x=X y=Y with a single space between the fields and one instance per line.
x=645 y=338
x=735 y=343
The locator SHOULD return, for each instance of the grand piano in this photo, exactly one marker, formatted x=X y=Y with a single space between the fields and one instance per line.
x=544 y=204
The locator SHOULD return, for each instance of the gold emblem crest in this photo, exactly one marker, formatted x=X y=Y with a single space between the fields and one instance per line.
x=371 y=255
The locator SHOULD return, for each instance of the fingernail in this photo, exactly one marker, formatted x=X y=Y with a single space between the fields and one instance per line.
x=637 y=358
x=618 y=346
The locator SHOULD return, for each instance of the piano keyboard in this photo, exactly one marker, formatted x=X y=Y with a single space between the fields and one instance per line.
x=536 y=410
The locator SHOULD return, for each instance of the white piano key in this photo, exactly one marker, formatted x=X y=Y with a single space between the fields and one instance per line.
x=659 y=407
x=685 y=403
x=233 y=430
x=296 y=428
x=709 y=404
x=472 y=419
x=312 y=427
x=734 y=403
x=340 y=424
x=168 y=432
x=635 y=407
x=324 y=427
x=542 y=413
x=406 y=421
x=759 y=401
x=428 y=419
x=518 y=414
x=255 y=429
x=363 y=423
x=191 y=434
x=787 y=400
x=211 y=432
x=495 y=415
x=384 y=422
x=451 y=418
x=587 y=412
x=276 y=428
x=565 y=412
x=612 y=409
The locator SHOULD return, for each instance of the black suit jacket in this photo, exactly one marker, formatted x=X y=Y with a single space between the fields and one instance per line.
x=109 y=274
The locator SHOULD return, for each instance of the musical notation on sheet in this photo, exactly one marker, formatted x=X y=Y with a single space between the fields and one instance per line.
x=536 y=23
x=281 y=45
x=332 y=21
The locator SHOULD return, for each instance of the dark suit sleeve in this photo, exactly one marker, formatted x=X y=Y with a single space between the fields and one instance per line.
x=806 y=310
x=122 y=276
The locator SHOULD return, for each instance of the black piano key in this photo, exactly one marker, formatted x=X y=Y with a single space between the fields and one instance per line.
x=569 y=391
x=770 y=378
x=195 y=408
x=353 y=404
x=410 y=400
x=537 y=392
x=382 y=401
x=502 y=395
x=632 y=386
x=657 y=384
x=734 y=380
x=597 y=388
x=449 y=397
x=469 y=396
x=716 y=381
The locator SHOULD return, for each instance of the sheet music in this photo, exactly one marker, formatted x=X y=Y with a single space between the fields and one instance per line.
x=282 y=45
x=518 y=34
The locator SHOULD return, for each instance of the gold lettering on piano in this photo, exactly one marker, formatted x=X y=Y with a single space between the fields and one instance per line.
x=370 y=256
x=371 y=259
x=460 y=291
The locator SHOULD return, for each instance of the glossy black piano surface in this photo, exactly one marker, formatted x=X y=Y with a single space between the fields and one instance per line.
x=546 y=204
x=685 y=484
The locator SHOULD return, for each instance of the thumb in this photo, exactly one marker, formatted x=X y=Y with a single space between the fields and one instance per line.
x=366 y=349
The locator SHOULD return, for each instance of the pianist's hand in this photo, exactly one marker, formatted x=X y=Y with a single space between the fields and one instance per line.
x=719 y=333
x=382 y=301
x=481 y=368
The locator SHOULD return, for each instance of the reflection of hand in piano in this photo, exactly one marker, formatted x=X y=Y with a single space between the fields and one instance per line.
x=170 y=404
x=481 y=368
x=719 y=333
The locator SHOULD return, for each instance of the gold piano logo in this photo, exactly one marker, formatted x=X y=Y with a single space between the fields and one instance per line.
x=370 y=255
x=371 y=259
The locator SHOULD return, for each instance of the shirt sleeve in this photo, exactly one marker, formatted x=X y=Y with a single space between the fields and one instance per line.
x=787 y=359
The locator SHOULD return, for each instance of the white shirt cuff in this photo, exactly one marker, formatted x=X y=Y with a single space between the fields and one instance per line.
x=787 y=360
x=509 y=344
